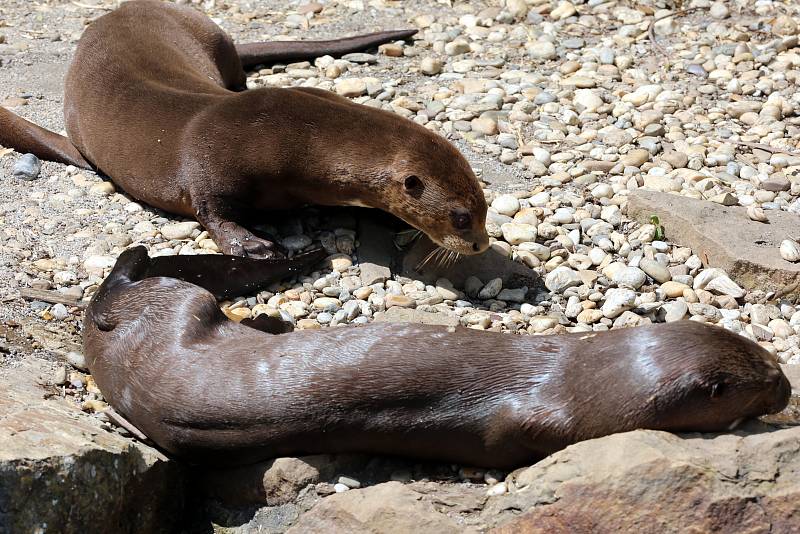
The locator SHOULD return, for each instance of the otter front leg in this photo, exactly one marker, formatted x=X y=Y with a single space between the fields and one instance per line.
x=232 y=238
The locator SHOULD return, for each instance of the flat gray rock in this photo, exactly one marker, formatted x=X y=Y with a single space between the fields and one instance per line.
x=374 y=252
x=724 y=237
x=61 y=471
x=408 y=315
x=487 y=266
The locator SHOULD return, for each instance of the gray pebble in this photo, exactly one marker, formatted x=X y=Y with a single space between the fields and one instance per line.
x=27 y=167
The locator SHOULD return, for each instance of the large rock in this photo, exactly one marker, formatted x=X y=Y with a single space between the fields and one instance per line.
x=724 y=236
x=487 y=266
x=388 y=508
x=407 y=315
x=649 y=481
x=60 y=471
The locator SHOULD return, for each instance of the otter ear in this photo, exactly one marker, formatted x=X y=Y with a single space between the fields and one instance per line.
x=413 y=186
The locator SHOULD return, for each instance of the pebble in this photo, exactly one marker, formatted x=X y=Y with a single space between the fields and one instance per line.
x=618 y=301
x=27 y=167
x=59 y=312
x=430 y=66
x=181 y=230
x=491 y=289
x=562 y=278
x=351 y=87
x=399 y=300
x=506 y=205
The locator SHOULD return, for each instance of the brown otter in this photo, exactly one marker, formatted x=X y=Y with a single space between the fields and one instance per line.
x=210 y=390
x=155 y=98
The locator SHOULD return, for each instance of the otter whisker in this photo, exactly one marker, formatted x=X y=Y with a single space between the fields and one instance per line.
x=426 y=259
x=440 y=256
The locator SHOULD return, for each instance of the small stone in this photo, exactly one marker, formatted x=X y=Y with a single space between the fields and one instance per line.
x=96 y=264
x=498 y=489
x=590 y=316
x=719 y=10
x=349 y=482
x=784 y=25
x=636 y=158
x=351 y=87
x=399 y=300
x=678 y=160
x=674 y=311
x=326 y=303
x=630 y=277
x=776 y=183
x=77 y=360
x=542 y=323
x=27 y=167
x=391 y=50
x=491 y=289
x=360 y=57
x=456 y=47
x=340 y=488
x=340 y=262
x=673 y=289
x=790 y=250
x=513 y=295
x=102 y=189
x=562 y=11
x=722 y=285
x=311 y=7
x=617 y=301
x=430 y=66
x=484 y=125
x=59 y=312
x=506 y=205
x=516 y=233
x=756 y=214
x=655 y=270
x=562 y=278
x=517 y=8
x=181 y=230
x=587 y=100
x=542 y=50
x=726 y=199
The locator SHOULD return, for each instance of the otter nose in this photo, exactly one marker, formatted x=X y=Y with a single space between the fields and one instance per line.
x=779 y=390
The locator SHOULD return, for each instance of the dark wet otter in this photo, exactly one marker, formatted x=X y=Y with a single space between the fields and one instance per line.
x=210 y=390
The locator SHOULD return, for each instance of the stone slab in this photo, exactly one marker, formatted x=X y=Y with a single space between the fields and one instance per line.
x=61 y=471
x=408 y=315
x=491 y=264
x=724 y=237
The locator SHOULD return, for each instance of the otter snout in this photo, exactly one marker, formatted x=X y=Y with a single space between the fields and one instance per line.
x=779 y=390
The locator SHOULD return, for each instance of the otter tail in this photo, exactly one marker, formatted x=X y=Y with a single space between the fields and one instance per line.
x=252 y=54
x=24 y=137
x=223 y=276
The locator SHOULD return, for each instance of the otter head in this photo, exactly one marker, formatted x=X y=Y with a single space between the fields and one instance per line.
x=431 y=186
x=716 y=380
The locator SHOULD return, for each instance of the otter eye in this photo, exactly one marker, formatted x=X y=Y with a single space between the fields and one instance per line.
x=461 y=220
x=413 y=185
x=717 y=390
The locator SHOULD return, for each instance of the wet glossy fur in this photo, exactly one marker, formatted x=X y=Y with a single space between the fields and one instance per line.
x=210 y=390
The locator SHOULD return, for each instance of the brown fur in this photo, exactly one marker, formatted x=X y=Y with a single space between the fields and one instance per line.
x=210 y=390
x=155 y=99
